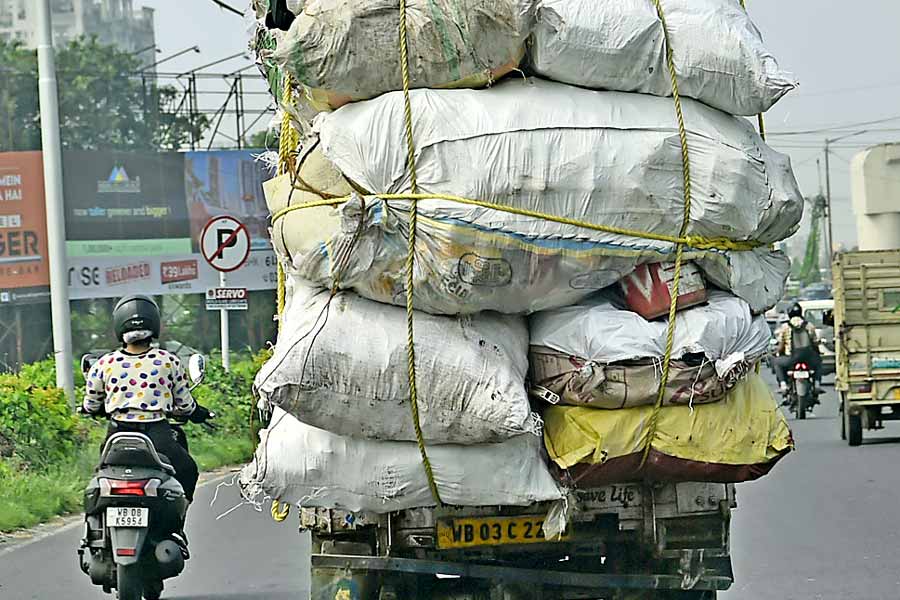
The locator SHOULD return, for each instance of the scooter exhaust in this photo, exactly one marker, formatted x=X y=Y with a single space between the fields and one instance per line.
x=169 y=558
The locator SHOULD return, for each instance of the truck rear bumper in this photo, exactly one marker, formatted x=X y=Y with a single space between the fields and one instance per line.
x=513 y=575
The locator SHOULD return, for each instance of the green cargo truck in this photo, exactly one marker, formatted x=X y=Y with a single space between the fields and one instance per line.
x=867 y=334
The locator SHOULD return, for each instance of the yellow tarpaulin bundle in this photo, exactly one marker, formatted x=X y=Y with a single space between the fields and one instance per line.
x=737 y=439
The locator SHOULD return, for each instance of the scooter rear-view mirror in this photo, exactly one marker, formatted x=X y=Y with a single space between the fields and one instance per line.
x=196 y=368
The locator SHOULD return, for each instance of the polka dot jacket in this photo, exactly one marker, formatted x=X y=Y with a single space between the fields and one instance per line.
x=138 y=388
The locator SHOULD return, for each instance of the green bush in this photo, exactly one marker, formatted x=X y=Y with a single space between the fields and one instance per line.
x=229 y=396
x=37 y=425
x=47 y=453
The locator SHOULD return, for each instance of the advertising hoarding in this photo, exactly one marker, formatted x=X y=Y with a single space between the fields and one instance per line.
x=227 y=182
x=124 y=203
x=24 y=270
x=131 y=227
x=114 y=276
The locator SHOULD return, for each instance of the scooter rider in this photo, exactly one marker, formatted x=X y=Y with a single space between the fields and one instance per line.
x=797 y=342
x=138 y=387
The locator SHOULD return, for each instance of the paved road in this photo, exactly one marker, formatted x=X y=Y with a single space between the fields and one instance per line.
x=244 y=556
x=824 y=524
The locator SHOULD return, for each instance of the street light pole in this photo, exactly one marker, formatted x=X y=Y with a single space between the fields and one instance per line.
x=830 y=244
x=53 y=193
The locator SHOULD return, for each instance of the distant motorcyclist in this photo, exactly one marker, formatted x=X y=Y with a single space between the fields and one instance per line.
x=797 y=342
x=138 y=387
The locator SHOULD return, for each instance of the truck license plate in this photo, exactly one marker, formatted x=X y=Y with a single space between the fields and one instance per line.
x=127 y=517
x=491 y=531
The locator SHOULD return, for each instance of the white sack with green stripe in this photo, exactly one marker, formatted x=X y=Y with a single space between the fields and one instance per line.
x=608 y=158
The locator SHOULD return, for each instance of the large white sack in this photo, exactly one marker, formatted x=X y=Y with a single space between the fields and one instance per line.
x=619 y=45
x=604 y=157
x=341 y=364
x=311 y=467
x=347 y=50
x=596 y=330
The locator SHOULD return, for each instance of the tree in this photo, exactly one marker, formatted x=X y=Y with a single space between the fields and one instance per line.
x=264 y=139
x=19 y=125
x=104 y=103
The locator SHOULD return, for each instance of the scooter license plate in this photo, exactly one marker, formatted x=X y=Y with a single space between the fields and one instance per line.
x=801 y=374
x=117 y=516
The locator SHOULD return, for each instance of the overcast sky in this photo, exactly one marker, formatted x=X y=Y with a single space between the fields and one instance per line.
x=845 y=56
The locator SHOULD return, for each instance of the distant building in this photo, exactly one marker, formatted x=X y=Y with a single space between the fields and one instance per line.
x=114 y=22
x=875 y=185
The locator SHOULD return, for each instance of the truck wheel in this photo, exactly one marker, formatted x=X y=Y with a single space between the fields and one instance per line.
x=854 y=430
x=843 y=418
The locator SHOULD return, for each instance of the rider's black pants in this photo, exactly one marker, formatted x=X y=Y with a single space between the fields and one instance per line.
x=165 y=439
x=783 y=364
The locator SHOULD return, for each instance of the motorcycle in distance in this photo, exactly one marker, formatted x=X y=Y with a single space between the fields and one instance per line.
x=134 y=512
x=801 y=389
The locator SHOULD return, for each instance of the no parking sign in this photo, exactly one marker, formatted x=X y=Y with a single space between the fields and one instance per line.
x=225 y=244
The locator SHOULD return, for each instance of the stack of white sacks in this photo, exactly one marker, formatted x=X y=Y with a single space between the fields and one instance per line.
x=341 y=435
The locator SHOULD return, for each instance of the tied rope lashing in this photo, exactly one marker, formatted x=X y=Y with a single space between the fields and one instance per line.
x=288 y=140
x=681 y=241
x=653 y=422
x=411 y=255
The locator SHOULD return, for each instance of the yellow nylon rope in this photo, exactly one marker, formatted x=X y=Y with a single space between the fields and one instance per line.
x=679 y=248
x=287 y=144
x=411 y=255
x=691 y=241
x=279 y=512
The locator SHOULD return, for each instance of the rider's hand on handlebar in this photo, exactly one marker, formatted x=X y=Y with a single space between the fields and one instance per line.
x=201 y=414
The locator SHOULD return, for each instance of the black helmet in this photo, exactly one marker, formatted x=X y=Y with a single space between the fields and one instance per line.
x=795 y=310
x=136 y=313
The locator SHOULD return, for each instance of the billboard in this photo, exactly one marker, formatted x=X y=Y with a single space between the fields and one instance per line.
x=24 y=271
x=114 y=276
x=227 y=182
x=123 y=203
x=133 y=222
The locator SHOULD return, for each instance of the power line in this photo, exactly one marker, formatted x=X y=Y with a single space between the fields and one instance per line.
x=221 y=4
x=834 y=127
x=843 y=90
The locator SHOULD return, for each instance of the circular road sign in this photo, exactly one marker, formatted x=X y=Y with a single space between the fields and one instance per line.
x=225 y=243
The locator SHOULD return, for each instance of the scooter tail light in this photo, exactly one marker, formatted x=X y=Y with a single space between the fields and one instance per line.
x=125 y=552
x=131 y=487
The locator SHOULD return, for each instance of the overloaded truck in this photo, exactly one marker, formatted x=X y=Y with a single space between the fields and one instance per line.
x=525 y=251
x=867 y=340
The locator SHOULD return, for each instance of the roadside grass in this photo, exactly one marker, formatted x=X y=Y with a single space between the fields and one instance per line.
x=28 y=498
x=44 y=469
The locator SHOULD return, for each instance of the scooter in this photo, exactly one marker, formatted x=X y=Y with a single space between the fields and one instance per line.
x=134 y=513
x=802 y=394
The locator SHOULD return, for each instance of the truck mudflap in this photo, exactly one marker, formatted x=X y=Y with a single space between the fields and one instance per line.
x=340 y=569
